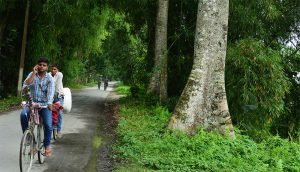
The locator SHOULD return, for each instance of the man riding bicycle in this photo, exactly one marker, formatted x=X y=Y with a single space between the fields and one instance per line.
x=41 y=87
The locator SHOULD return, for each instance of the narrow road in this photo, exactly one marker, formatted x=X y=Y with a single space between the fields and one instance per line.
x=74 y=151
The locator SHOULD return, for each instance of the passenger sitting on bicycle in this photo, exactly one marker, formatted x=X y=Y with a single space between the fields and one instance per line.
x=59 y=93
x=41 y=87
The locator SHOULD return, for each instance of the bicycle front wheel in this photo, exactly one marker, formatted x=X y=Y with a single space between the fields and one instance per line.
x=40 y=143
x=26 y=151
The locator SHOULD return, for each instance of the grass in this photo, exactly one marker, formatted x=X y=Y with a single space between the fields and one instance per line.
x=132 y=168
x=123 y=89
x=144 y=144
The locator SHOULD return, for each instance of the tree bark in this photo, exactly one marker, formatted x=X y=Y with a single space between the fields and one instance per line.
x=24 y=40
x=158 y=81
x=203 y=102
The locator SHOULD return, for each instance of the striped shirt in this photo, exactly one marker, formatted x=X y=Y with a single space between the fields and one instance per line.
x=41 y=91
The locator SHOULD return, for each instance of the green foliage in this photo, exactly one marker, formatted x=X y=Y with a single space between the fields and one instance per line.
x=256 y=92
x=266 y=20
x=77 y=67
x=143 y=140
x=88 y=38
x=259 y=67
x=123 y=89
x=6 y=5
x=9 y=102
x=124 y=52
x=289 y=123
x=58 y=34
x=11 y=28
x=131 y=168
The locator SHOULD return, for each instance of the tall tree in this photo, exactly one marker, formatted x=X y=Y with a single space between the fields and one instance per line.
x=203 y=102
x=24 y=40
x=158 y=81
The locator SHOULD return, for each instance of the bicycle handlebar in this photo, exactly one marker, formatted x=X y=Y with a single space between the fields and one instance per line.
x=33 y=104
x=38 y=105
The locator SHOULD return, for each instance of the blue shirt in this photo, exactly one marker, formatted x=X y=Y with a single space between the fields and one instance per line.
x=41 y=91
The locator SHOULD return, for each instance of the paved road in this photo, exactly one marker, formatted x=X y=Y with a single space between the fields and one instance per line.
x=73 y=152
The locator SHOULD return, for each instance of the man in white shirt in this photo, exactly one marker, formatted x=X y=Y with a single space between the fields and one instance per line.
x=59 y=93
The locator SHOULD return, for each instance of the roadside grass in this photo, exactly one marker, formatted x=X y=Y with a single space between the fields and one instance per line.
x=122 y=89
x=9 y=102
x=144 y=144
x=132 y=168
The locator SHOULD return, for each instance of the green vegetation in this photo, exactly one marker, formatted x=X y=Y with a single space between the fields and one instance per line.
x=144 y=142
x=260 y=86
x=115 y=39
x=10 y=102
x=123 y=89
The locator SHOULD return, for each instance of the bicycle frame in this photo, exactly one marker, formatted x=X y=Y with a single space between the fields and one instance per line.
x=34 y=120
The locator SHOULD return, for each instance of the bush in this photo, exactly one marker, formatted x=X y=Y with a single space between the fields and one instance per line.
x=256 y=94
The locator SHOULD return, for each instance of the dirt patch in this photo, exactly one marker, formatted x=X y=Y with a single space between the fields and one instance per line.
x=107 y=133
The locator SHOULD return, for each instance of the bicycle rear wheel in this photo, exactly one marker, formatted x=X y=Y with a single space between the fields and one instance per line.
x=54 y=132
x=40 y=143
x=26 y=151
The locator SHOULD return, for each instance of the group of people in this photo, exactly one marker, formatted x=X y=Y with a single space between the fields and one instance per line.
x=45 y=88
x=105 y=81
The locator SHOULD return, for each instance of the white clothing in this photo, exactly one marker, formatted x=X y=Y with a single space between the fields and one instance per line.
x=59 y=89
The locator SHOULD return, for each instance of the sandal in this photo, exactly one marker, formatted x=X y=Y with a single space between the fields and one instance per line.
x=48 y=152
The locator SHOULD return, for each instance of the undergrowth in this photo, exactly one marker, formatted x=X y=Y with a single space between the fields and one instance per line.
x=144 y=140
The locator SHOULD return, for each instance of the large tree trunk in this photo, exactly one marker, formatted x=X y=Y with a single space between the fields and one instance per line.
x=158 y=81
x=203 y=102
x=24 y=40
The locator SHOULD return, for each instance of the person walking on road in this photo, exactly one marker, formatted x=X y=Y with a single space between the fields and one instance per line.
x=105 y=83
x=99 y=82
x=41 y=86
x=59 y=93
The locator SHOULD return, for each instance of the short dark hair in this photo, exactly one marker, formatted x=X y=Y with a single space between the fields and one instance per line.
x=55 y=65
x=43 y=60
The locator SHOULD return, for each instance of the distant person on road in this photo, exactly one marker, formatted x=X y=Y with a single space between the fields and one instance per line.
x=41 y=86
x=99 y=82
x=59 y=93
x=105 y=83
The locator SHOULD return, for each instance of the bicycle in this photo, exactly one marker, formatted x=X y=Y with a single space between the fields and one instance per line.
x=32 y=143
